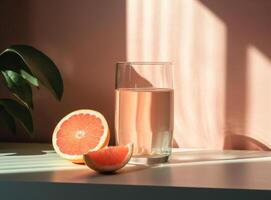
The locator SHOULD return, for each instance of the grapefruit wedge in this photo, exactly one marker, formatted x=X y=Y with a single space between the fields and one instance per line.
x=80 y=132
x=109 y=159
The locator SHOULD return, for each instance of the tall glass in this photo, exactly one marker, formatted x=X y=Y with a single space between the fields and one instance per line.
x=144 y=109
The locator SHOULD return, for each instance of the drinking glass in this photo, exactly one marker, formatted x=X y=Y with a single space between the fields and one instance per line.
x=144 y=109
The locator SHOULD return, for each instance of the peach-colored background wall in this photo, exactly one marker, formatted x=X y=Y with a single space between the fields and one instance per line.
x=85 y=39
x=221 y=50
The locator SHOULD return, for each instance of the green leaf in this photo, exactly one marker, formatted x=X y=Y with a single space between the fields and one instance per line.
x=19 y=112
x=12 y=61
x=29 y=78
x=7 y=121
x=19 y=87
x=35 y=63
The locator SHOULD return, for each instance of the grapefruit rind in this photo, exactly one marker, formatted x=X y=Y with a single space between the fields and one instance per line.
x=91 y=163
x=104 y=140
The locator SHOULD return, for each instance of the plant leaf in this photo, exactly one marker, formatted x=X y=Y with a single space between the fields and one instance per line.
x=29 y=78
x=7 y=121
x=19 y=87
x=12 y=61
x=36 y=63
x=19 y=112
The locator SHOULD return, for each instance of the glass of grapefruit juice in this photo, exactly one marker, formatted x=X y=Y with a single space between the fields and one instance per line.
x=144 y=109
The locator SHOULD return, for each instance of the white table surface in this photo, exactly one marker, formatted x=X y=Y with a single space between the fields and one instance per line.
x=23 y=164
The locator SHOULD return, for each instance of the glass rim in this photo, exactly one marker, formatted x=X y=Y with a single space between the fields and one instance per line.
x=144 y=62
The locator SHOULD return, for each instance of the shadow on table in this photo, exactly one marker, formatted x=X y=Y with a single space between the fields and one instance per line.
x=125 y=170
x=187 y=157
x=214 y=155
x=254 y=148
x=23 y=149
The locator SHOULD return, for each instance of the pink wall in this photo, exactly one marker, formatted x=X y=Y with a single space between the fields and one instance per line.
x=221 y=52
x=84 y=38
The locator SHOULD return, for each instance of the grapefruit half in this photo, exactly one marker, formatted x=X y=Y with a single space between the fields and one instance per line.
x=80 y=132
x=109 y=159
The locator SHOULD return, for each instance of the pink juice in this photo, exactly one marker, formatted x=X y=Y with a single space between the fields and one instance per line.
x=144 y=116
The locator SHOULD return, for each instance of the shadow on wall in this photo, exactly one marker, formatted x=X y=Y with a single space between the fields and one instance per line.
x=85 y=40
x=190 y=36
x=242 y=142
x=221 y=54
x=220 y=49
x=247 y=92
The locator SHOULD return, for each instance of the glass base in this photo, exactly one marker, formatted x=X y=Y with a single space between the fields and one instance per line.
x=149 y=160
